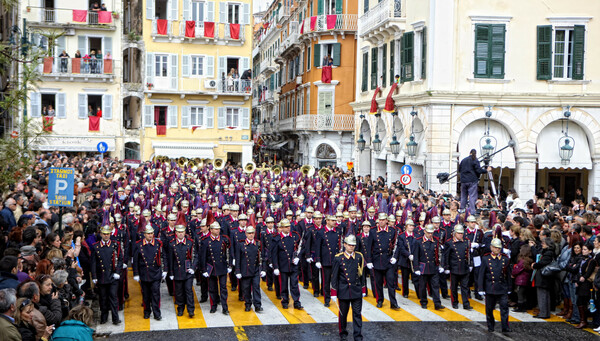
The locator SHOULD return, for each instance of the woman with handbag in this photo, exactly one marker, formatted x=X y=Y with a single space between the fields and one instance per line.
x=542 y=283
x=572 y=271
x=587 y=266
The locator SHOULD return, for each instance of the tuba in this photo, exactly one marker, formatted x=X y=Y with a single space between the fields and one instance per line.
x=307 y=170
x=325 y=174
x=219 y=164
x=276 y=170
x=181 y=161
x=250 y=167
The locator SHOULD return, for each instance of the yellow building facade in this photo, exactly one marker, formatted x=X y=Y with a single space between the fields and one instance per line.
x=197 y=80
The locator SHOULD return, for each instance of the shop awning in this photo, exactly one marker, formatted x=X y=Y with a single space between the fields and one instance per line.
x=278 y=144
x=547 y=147
x=470 y=139
x=72 y=143
x=188 y=150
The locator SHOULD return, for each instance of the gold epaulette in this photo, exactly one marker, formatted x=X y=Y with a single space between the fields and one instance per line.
x=339 y=254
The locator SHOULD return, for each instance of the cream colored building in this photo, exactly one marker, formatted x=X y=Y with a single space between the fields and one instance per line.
x=523 y=63
x=74 y=85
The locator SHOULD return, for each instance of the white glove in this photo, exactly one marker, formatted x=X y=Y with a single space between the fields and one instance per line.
x=191 y=271
x=334 y=298
x=506 y=251
x=233 y=262
x=418 y=273
x=94 y=281
x=205 y=274
x=296 y=260
x=136 y=278
x=263 y=274
x=309 y=260
x=447 y=272
x=470 y=268
x=441 y=269
x=482 y=293
x=171 y=277
x=370 y=266
x=318 y=265
x=411 y=257
x=276 y=272
x=116 y=276
x=364 y=294
x=510 y=292
x=229 y=270
x=164 y=275
x=238 y=276
x=393 y=260
x=271 y=266
x=474 y=245
x=124 y=266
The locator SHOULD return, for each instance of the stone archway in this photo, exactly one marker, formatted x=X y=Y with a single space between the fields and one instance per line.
x=326 y=155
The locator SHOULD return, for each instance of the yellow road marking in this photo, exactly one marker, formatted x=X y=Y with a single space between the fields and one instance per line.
x=133 y=311
x=334 y=307
x=397 y=315
x=292 y=315
x=240 y=333
x=236 y=310
x=185 y=322
x=446 y=314
x=480 y=308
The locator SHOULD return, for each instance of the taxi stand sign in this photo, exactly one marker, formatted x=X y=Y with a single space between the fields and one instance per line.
x=61 y=185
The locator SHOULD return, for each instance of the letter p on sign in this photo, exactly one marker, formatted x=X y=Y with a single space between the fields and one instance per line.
x=61 y=185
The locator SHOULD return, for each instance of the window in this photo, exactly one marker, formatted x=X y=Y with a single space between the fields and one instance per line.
x=407 y=57
x=308 y=59
x=233 y=13
x=197 y=65
x=373 y=68
x=198 y=12
x=323 y=51
x=489 y=50
x=560 y=52
x=233 y=117
x=196 y=116
x=326 y=103
x=365 y=71
x=161 y=65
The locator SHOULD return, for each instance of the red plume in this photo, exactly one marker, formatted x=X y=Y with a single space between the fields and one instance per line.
x=210 y=218
x=142 y=224
x=493 y=218
x=180 y=218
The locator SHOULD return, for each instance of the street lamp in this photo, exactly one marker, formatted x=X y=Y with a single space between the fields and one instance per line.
x=377 y=143
x=487 y=149
x=411 y=146
x=360 y=143
x=395 y=146
x=566 y=143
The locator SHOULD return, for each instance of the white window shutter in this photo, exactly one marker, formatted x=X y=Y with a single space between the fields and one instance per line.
x=210 y=67
x=245 y=118
x=149 y=10
x=221 y=118
x=107 y=46
x=173 y=9
x=223 y=11
x=82 y=105
x=172 y=116
x=222 y=68
x=209 y=114
x=185 y=65
x=186 y=10
x=107 y=103
x=36 y=101
x=150 y=67
x=148 y=116
x=61 y=105
x=185 y=116
x=174 y=74
x=82 y=44
x=246 y=15
x=210 y=14
x=245 y=65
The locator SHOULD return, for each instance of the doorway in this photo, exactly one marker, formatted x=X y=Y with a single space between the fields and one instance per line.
x=234 y=158
x=95 y=103
x=565 y=185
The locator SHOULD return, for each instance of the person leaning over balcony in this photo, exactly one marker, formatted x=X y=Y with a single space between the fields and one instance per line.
x=51 y=111
x=77 y=54
x=91 y=111
x=64 y=60
x=99 y=61
x=103 y=7
x=95 y=7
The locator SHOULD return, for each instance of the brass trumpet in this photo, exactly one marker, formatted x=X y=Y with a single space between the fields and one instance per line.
x=219 y=164
x=250 y=167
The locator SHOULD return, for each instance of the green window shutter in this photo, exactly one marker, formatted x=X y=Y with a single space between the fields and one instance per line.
x=321 y=7
x=424 y=53
x=384 y=66
x=544 y=52
x=373 y=68
x=317 y=55
x=402 y=59
x=337 y=54
x=407 y=56
x=578 y=51
x=392 y=54
x=482 y=49
x=497 y=53
x=338 y=7
x=365 y=72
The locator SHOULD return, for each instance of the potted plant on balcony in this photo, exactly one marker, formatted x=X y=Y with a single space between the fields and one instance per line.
x=115 y=15
x=149 y=86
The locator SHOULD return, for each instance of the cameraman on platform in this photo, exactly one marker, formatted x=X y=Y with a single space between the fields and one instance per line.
x=470 y=170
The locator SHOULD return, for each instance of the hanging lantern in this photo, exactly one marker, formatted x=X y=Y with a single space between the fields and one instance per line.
x=377 y=144
x=411 y=146
x=566 y=146
x=395 y=145
x=360 y=143
x=488 y=148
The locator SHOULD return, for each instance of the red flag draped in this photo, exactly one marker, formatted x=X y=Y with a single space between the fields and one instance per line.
x=79 y=15
x=48 y=123
x=94 y=123
x=374 y=106
x=331 y=19
x=190 y=29
x=161 y=130
x=302 y=27
x=104 y=17
x=390 y=106
x=108 y=66
x=234 y=31
x=313 y=22
x=209 y=29
x=326 y=74
x=161 y=26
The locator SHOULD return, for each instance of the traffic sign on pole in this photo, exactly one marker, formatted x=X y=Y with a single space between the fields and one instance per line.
x=102 y=147
x=407 y=169
x=61 y=184
x=405 y=179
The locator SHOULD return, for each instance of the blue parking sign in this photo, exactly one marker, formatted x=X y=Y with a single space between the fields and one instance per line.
x=61 y=185
x=406 y=169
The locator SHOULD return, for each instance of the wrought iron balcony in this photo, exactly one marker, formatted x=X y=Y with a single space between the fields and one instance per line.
x=385 y=19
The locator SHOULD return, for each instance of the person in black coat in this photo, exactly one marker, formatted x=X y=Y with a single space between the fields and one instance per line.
x=286 y=254
x=24 y=321
x=584 y=284
x=249 y=269
x=216 y=257
x=470 y=170
x=107 y=263
x=148 y=262
x=543 y=284
x=182 y=263
x=494 y=283
x=458 y=263
x=427 y=265
x=405 y=246
x=329 y=242
x=382 y=261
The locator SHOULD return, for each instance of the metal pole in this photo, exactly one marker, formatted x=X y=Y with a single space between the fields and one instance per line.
x=24 y=40
x=60 y=214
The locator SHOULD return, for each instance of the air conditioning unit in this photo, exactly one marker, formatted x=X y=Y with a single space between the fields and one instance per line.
x=210 y=84
x=70 y=31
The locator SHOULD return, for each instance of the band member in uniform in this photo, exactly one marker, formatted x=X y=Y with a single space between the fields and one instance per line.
x=494 y=283
x=311 y=249
x=215 y=259
x=202 y=281
x=427 y=265
x=406 y=245
x=382 y=248
x=249 y=266
x=352 y=224
x=286 y=255
x=166 y=235
x=348 y=284
x=120 y=234
x=148 y=262
x=266 y=242
x=303 y=226
x=182 y=262
x=457 y=263
x=364 y=244
x=475 y=237
x=328 y=244
x=442 y=236
x=237 y=235
x=106 y=264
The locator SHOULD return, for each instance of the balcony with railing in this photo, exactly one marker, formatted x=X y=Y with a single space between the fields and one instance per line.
x=57 y=17
x=386 y=18
x=292 y=39
x=85 y=69
x=235 y=87
x=335 y=23
x=338 y=122
x=202 y=32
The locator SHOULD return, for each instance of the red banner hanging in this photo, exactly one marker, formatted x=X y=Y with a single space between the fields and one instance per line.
x=190 y=29
x=161 y=26
x=209 y=29
x=79 y=15
x=326 y=74
x=94 y=123
x=374 y=106
x=234 y=31
x=104 y=17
